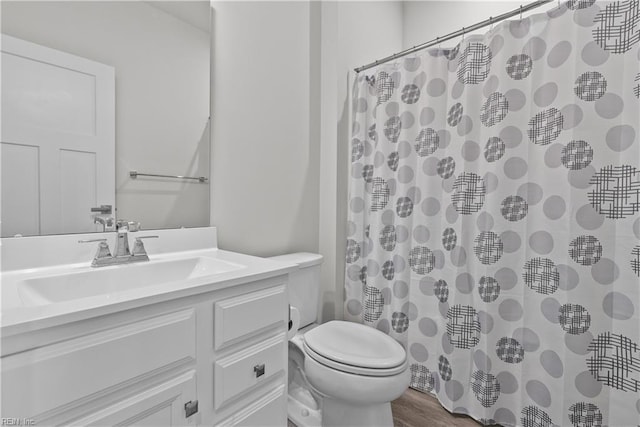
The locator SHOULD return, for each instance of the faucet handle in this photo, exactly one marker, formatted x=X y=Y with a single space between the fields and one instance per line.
x=134 y=226
x=92 y=240
x=138 y=247
x=124 y=225
x=103 y=249
x=106 y=222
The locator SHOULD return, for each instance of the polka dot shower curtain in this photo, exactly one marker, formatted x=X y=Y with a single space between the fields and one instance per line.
x=494 y=217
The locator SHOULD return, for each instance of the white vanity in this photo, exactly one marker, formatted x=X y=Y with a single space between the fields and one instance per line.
x=195 y=336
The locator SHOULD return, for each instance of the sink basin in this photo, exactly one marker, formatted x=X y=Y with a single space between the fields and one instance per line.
x=109 y=281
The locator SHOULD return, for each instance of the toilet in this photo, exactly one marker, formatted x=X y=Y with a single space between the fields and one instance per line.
x=340 y=373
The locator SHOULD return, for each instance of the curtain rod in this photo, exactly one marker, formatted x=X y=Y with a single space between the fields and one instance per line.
x=454 y=34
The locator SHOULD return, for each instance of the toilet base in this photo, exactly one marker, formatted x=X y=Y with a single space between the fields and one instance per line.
x=335 y=413
x=302 y=414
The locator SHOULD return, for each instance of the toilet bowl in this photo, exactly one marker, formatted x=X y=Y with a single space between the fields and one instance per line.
x=340 y=373
x=358 y=370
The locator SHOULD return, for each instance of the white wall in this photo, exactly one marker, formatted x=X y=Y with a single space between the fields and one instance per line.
x=353 y=33
x=162 y=105
x=424 y=20
x=264 y=127
x=280 y=124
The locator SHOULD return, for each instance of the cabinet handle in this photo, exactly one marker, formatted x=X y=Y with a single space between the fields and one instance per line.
x=190 y=408
x=259 y=370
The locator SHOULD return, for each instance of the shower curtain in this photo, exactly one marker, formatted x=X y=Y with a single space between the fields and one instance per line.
x=494 y=217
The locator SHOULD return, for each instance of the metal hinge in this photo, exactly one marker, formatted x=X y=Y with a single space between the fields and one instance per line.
x=190 y=408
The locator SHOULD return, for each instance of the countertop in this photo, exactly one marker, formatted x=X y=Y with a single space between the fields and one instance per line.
x=18 y=316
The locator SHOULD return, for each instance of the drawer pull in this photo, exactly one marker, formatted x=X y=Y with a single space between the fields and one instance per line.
x=190 y=408
x=259 y=370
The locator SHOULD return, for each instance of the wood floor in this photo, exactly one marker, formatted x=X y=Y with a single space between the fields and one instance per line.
x=415 y=409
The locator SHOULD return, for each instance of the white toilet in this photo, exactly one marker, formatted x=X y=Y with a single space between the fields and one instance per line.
x=340 y=373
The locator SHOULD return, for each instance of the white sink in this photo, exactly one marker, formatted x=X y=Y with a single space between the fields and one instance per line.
x=112 y=280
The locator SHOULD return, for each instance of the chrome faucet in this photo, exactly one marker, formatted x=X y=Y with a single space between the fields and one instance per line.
x=106 y=222
x=122 y=238
x=122 y=254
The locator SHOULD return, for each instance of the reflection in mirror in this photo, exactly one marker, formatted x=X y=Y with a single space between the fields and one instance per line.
x=93 y=90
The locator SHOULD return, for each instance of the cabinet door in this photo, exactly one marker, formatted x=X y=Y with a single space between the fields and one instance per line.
x=162 y=405
x=67 y=374
x=268 y=411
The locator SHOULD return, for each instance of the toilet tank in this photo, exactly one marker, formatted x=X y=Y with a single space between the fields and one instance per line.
x=304 y=284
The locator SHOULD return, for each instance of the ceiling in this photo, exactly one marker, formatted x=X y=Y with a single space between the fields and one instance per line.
x=193 y=12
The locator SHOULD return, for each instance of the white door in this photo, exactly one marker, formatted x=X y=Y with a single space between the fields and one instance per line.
x=57 y=140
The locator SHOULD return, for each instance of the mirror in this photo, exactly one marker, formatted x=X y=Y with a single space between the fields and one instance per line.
x=59 y=114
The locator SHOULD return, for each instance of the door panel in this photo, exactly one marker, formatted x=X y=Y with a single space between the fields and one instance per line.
x=77 y=193
x=20 y=197
x=63 y=106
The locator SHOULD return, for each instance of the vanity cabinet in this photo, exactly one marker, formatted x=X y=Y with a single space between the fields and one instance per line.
x=225 y=350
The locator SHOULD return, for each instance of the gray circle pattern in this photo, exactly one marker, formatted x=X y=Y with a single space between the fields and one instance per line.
x=446 y=167
x=392 y=128
x=474 y=64
x=427 y=142
x=514 y=208
x=585 y=250
x=488 y=288
x=545 y=126
x=494 y=109
x=421 y=260
x=519 y=66
x=574 y=319
x=488 y=247
x=541 y=275
x=455 y=114
x=509 y=350
x=469 y=193
x=519 y=146
x=616 y=27
x=494 y=149
x=590 y=86
x=441 y=290
x=444 y=367
x=585 y=414
x=410 y=94
x=577 y=155
x=615 y=191
x=404 y=207
x=449 y=239
x=486 y=388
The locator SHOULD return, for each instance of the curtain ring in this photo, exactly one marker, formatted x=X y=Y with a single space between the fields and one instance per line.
x=521 y=12
x=491 y=23
x=438 y=43
x=462 y=33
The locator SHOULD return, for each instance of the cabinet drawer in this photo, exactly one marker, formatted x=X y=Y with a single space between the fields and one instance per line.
x=239 y=317
x=268 y=411
x=241 y=371
x=68 y=373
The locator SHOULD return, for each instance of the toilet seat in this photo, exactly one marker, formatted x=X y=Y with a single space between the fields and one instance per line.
x=355 y=348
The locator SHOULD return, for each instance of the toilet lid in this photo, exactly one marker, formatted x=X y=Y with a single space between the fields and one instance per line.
x=356 y=345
